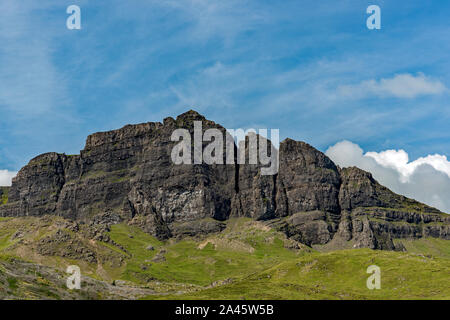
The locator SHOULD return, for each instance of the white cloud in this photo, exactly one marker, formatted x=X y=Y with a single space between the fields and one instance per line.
x=400 y=86
x=426 y=179
x=399 y=160
x=6 y=177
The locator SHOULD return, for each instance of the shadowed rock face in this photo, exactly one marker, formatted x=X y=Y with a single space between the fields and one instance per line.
x=308 y=179
x=255 y=194
x=373 y=216
x=130 y=172
x=359 y=189
x=36 y=188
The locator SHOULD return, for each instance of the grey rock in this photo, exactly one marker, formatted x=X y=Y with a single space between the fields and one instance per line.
x=127 y=175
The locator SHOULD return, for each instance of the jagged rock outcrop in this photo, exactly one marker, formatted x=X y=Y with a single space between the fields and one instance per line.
x=359 y=189
x=128 y=173
x=255 y=194
x=373 y=216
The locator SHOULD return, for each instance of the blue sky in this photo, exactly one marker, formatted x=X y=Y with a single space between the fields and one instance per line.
x=310 y=68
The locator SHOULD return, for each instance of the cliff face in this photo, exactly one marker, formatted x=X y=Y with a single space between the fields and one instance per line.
x=374 y=216
x=130 y=172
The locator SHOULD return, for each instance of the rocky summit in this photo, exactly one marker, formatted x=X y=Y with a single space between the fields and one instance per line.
x=127 y=175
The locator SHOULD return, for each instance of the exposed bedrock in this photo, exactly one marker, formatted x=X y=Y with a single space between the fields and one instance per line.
x=129 y=172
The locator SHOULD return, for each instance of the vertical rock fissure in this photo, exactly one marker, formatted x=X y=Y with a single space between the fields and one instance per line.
x=236 y=177
x=274 y=192
x=63 y=182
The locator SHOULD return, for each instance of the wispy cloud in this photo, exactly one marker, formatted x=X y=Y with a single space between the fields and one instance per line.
x=400 y=86
x=239 y=62
x=225 y=19
x=31 y=84
x=35 y=95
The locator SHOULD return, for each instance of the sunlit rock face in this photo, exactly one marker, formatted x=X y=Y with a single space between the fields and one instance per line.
x=129 y=172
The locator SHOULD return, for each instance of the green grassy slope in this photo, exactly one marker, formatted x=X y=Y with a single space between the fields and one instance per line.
x=248 y=260
x=340 y=275
x=244 y=248
x=429 y=247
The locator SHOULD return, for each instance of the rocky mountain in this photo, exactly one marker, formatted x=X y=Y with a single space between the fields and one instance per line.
x=128 y=175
